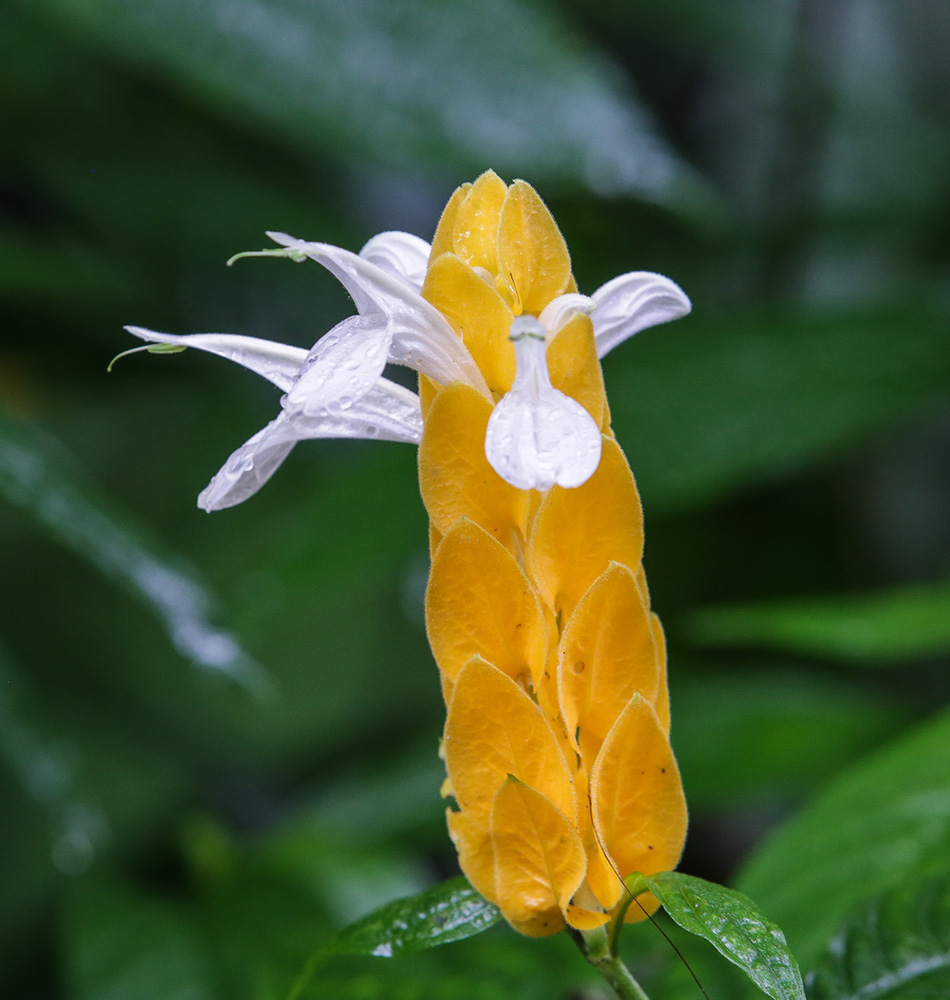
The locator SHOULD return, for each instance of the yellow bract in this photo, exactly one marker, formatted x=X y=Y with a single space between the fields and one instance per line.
x=478 y=313
x=475 y=234
x=637 y=800
x=539 y=859
x=578 y=533
x=454 y=475
x=532 y=256
x=607 y=654
x=494 y=729
x=575 y=369
x=552 y=664
x=480 y=602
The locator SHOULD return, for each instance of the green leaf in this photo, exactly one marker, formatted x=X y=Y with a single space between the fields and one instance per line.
x=448 y=912
x=780 y=731
x=120 y=944
x=896 y=946
x=886 y=818
x=706 y=407
x=735 y=926
x=399 y=81
x=910 y=622
x=37 y=478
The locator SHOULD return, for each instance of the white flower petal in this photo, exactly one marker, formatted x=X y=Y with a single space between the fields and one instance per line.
x=387 y=413
x=559 y=311
x=342 y=366
x=278 y=363
x=421 y=338
x=402 y=254
x=537 y=436
x=535 y=443
x=248 y=468
x=394 y=411
x=631 y=303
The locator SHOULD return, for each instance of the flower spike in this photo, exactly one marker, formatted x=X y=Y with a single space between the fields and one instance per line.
x=553 y=666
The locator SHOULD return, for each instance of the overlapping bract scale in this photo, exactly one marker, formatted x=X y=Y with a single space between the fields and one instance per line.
x=577 y=533
x=480 y=602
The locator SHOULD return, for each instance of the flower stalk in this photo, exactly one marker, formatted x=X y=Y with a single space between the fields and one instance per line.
x=595 y=947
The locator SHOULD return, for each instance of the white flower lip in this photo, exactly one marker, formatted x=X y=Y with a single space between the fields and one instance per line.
x=537 y=436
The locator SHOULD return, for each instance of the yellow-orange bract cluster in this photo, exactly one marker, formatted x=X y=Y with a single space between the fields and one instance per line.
x=553 y=667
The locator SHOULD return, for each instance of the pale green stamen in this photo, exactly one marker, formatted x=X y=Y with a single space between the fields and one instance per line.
x=289 y=252
x=152 y=349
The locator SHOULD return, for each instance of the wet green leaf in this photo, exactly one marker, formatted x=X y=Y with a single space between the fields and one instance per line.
x=896 y=946
x=448 y=912
x=735 y=926
x=886 y=818
x=899 y=624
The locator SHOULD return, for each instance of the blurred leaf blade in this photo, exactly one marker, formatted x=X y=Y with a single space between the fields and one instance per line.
x=712 y=407
x=495 y=82
x=883 y=820
x=899 y=624
x=122 y=944
x=782 y=732
x=39 y=480
x=895 y=946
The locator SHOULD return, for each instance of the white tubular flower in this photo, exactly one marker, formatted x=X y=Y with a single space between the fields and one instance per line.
x=336 y=389
x=537 y=436
x=402 y=254
x=415 y=333
x=385 y=411
x=631 y=303
x=388 y=412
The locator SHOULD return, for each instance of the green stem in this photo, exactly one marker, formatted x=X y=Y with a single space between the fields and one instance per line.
x=595 y=946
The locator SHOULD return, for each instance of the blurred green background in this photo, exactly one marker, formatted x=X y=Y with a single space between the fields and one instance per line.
x=218 y=734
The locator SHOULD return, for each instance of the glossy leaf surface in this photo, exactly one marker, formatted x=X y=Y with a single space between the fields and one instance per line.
x=735 y=926
x=895 y=946
x=874 y=826
x=448 y=912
